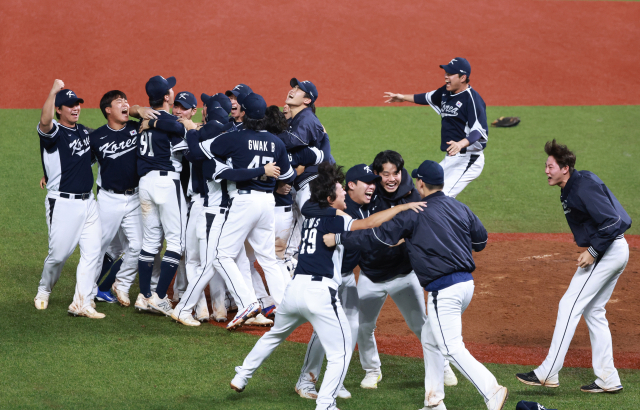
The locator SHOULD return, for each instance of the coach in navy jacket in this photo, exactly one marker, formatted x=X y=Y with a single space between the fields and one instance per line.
x=439 y=239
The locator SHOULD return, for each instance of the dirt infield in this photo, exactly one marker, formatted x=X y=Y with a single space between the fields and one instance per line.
x=523 y=52
x=534 y=270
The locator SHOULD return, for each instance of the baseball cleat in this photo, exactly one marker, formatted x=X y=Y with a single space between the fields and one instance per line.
x=238 y=383
x=163 y=305
x=142 y=303
x=123 y=297
x=497 y=401
x=269 y=311
x=594 y=388
x=344 y=393
x=450 y=378
x=531 y=379
x=202 y=312
x=371 y=379
x=215 y=318
x=41 y=301
x=105 y=297
x=87 y=312
x=247 y=313
x=186 y=320
x=259 y=320
x=307 y=391
x=440 y=406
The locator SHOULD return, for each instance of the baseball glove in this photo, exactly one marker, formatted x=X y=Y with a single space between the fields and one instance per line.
x=506 y=122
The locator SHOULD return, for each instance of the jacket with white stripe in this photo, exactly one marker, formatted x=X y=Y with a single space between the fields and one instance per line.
x=439 y=239
x=463 y=116
x=594 y=214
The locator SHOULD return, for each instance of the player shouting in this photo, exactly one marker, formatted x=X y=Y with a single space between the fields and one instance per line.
x=597 y=221
x=464 y=131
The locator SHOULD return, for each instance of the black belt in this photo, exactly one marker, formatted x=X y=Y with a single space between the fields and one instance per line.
x=222 y=211
x=129 y=191
x=164 y=173
x=315 y=278
x=76 y=196
x=287 y=209
x=248 y=191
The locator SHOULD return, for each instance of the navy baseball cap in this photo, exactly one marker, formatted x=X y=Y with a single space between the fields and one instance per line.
x=215 y=112
x=68 y=98
x=307 y=87
x=222 y=99
x=530 y=405
x=253 y=105
x=239 y=89
x=186 y=99
x=458 y=65
x=361 y=172
x=158 y=86
x=429 y=172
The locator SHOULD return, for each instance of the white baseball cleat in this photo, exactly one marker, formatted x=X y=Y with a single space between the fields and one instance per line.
x=41 y=301
x=163 y=306
x=371 y=379
x=202 y=312
x=238 y=383
x=123 y=297
x=186 y=320
x=450 y=378
x=440 y=406
x=141 y=303
x=247 y=313
x=307 y=391
x=344 y=393
x=497 y=401
x=87 y=312
x=259 y=320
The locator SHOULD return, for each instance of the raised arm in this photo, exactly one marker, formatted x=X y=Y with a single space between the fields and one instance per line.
x=49 y=107
x=387 y=235
x=379 y=218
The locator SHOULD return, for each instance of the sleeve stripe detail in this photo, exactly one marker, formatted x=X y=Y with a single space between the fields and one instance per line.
x=296 y=135
x=478 y=243
x=593 y=252
x=428 y=96
x=374 y=233
x=618 y=220
x=337 y=238
x=475 y=111
x=205 y=151
x=53 y=134
x=349 y=224
x=287 y=175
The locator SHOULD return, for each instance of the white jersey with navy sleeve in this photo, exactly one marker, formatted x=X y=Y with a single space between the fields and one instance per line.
x=159 y=150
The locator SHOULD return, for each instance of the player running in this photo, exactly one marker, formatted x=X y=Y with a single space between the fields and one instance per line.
x=464 y=130
x=597 y=221
x=312 y=295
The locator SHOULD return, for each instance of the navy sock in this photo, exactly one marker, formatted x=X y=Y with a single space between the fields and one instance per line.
x=107 y=263
x=145 y=268
x=168 y=270
x=111 y=277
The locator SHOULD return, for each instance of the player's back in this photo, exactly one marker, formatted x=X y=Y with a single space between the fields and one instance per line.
x=159 y=150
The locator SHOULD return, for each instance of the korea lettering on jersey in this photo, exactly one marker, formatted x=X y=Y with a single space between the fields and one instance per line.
x=117 y=157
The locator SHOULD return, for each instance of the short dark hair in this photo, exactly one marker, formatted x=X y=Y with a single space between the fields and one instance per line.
x=433 y=187
x=108 y=98
x=388 y=156
x=276 y=121
x=324 y=185
x=563 y=155
x=158 y=103
x=312 y=105
x=56 y=112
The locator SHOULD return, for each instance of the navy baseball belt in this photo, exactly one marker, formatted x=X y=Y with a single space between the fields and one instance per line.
x=129 y=191
x=249 y=191
x=84 y=197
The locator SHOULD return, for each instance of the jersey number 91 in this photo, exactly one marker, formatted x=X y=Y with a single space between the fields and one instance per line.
x=146 y=142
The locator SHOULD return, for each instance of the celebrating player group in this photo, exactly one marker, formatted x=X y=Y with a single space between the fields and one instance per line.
x=253 y=182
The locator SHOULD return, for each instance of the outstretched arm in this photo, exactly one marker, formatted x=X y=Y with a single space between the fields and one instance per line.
x=387 y=235
x=379 y=218
x=49 y=107
x=398 y=98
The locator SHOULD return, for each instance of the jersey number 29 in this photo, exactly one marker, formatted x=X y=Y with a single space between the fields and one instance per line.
x=308 y=241
x=146 y=142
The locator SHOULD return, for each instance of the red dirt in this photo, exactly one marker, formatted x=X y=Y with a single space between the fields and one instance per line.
x=523 y=52
x=535 y=269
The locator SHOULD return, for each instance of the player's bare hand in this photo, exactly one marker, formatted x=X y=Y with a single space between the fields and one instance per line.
x=329 y=239
x=188 y=124
x=286 y=110
x=415 y=206
x=147 y=113
x=43 y=183
x=400 y=242
x=57 y=86
x=394 y=98
x=455 y=147
x=585 y=259
x=272 y=170
x=144 y=125
x=282 y=188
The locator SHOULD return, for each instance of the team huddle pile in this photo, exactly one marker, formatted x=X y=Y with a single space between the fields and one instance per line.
x=263 y=185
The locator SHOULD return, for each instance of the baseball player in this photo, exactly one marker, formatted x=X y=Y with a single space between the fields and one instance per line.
x=439 y=241
x=597 y=221
x=72 y=213
x=236 y=111
x=161 y=199
x=464 y=130
x=312 y=295
x=115 y=147
x=388 y=272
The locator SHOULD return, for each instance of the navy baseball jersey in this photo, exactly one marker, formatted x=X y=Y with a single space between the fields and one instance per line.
x=248 y=149
x=351 y=257
x=66 y=158
x=116 y=152
x=463 y=116
x=159 y=150
x=217 y=173
x=594 y=214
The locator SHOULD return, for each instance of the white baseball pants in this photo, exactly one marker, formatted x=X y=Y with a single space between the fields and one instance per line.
x=192 y=253
x=299 y=199
x=460 y=170
x=406 y=292
x=251 y=217
x=442 y=338
x=588 y=293
x=72 y=222
x=316 y=302
x=253 y=279
x=348 y=294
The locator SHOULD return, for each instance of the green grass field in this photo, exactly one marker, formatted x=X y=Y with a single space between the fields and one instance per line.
x=132 y=360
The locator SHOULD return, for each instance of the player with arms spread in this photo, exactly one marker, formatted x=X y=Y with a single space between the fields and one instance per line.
x=464 y=131
x=312 y=295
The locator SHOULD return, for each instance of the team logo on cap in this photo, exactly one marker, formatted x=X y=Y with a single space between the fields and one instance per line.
x=367 y=169
x=70 y=94
x=182 y=96
x=451 y=62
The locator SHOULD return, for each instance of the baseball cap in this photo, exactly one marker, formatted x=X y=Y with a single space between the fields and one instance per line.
x=215 y=112
x=186 y=99
x=429 y=172
x=458 y=65
x=253 y=105
x=68 y=98
x=307 y=87
x=361 y=172
x=239 y=89
x=222 y=99
x=158 y=86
